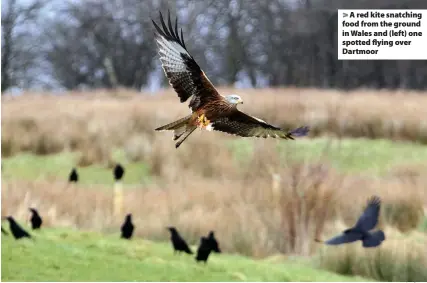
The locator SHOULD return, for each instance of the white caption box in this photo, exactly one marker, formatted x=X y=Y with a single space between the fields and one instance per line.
x=382 y=34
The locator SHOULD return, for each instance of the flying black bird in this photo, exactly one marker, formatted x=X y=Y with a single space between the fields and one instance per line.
x=4 y=231
x=204 y=249
x=178 y=242
x=118 y=172
x=36 y=220
x=366 y=222
x=213 y=242
x=17 y=231
x=127 y=227
x=74 y=177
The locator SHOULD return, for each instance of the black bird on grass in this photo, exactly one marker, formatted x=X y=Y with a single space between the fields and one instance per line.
x=213 y=242
x=36 y=220
x=17 y=231
x=4 y=231
x=127 y=227
x=204 y=249
x=118 y=172
x=366 y=222
x=73 y=177
x=178 y=242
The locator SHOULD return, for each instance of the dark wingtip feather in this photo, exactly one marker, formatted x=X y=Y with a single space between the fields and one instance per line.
x=300 y=132
x=167 y=31
x=375 y=200
x=182 y=40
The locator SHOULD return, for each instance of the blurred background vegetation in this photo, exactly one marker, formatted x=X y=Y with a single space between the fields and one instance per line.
x=78 y=44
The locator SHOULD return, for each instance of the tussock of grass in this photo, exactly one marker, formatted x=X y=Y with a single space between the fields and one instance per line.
x=404 y=213
x=64 y=255
x=395 y=260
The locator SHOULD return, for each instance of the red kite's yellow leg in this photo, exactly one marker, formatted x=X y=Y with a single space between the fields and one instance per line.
x=203 y=121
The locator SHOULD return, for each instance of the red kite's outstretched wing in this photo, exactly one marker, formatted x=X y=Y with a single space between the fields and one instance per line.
x=184 y=74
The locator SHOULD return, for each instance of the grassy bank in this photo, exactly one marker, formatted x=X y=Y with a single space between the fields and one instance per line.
x=66 y=255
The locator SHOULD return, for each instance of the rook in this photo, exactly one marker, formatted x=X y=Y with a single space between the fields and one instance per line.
x=178 y=242
x=127 y=227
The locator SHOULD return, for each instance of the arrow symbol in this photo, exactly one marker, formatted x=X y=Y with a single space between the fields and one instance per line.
x=344 y=15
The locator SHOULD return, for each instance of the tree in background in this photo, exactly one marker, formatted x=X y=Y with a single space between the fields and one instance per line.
x=105 y=44
x=19 y=44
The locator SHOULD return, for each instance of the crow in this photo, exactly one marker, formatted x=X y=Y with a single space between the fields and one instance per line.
x=36 y=220
x=4 y=231
x=127 y=227
x=366 y=222
x=213 y=242
x=204 y=249
x=118 y=172
x=17 y=231
x=178 y=242
x=73 y=177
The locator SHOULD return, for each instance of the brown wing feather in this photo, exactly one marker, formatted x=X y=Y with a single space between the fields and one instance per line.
x=184 y=74
x=241 y=124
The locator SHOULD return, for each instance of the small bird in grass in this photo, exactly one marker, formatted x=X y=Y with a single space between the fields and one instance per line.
x=118 y=172
x=213 y=242
x=178 y=242
x=36 y=220
x=204 y=249
x=4 y=231
x=17 y=231
x=366 y=222
x=127 y=227
x=73 y=177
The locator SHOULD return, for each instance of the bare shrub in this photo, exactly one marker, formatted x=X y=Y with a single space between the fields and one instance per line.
x=308 y=201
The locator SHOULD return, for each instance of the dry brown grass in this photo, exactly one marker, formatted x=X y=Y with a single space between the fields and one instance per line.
x=47 y=124
x=397 y=259
x=259 y=207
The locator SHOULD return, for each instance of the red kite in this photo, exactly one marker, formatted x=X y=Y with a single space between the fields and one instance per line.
x=210 y=110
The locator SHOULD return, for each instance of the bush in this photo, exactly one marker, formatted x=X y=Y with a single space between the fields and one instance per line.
x=307 y=203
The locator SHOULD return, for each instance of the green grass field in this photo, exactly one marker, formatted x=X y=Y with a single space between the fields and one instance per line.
x=35 y=167
x=66 y=255
x=347 y=155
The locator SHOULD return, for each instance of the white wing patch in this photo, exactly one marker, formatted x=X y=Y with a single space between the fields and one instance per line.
x=170 y=55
